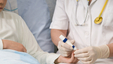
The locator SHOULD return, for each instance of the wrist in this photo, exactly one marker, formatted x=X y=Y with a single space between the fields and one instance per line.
x=58 y=60
x=104 y=51
x=4 y=44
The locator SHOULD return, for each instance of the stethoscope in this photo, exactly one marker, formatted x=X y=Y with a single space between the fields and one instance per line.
x=98 y=20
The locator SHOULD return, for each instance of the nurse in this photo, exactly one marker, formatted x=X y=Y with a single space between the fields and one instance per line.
x=15 y=35
x=90 y=24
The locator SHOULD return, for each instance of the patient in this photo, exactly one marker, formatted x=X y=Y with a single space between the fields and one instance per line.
x=12 y=27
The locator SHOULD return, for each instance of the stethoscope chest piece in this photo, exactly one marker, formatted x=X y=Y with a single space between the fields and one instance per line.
x=98 y=20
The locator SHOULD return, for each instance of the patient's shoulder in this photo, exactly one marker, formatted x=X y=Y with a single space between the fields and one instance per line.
x=11 y=15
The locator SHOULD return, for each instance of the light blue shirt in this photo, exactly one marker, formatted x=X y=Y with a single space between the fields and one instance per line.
x=37 y=17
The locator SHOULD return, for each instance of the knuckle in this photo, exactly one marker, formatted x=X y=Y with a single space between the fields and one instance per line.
x=92 y=54
x=70 y=61
x=91 y=48
x=64 y=49
x=64 y=44
x=87 y=55
x=85 y=59
x=22 y=47
x=60 y=42
x=83 y=55
x=65 y=55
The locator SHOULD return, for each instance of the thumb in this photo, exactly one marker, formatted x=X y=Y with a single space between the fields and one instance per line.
x=25 y=50
x=72 y=57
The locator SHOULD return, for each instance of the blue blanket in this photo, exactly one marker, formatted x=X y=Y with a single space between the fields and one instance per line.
x=15 y=57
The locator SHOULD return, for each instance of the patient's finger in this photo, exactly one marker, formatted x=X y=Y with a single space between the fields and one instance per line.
x=24 y=50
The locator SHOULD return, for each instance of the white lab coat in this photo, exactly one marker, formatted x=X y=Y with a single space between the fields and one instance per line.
x=13 y=27
x=90 y=35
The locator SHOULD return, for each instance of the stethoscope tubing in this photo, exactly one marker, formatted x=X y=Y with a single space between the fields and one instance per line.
x=77 y=23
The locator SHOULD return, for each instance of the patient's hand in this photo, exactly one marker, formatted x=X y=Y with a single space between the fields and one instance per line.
x=7 y=44
x=68 y=60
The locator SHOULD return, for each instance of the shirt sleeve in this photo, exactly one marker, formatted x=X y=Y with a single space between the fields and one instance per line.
x=1 y=44
x=60 y=19
x=28 y=40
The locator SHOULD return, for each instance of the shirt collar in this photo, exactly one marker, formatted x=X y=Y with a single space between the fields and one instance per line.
x=85 y=2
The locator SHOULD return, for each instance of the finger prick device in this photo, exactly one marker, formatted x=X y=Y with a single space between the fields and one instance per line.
x=65 y=40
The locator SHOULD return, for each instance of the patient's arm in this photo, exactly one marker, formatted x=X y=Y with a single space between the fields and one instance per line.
x=7 y=44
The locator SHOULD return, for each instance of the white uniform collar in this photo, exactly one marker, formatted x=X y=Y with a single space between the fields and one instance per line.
x=85 y=2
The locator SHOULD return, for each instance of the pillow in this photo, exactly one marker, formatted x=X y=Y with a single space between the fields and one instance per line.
x=37 y=17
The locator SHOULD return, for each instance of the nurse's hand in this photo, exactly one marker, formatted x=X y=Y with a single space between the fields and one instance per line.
x=7 y=44
x=65 y=49
x=71 y=60
x=89 y=55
